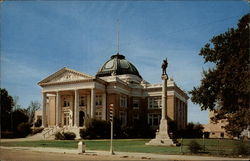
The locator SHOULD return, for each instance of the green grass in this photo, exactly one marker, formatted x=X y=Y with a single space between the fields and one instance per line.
x=213 y=146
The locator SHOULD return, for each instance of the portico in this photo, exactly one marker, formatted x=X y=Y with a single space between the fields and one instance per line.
x=67 y=105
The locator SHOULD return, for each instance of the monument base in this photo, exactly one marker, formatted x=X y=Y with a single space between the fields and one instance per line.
x=162 y=138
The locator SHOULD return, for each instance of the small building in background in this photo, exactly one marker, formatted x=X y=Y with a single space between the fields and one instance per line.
x=216 y=130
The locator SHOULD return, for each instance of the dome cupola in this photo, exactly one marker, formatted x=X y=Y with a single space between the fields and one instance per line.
x=117 y=65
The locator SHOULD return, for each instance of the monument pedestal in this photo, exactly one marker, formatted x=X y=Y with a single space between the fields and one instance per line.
x=162 y=137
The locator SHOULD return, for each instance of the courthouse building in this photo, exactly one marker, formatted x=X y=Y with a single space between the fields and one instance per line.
x=70 y=97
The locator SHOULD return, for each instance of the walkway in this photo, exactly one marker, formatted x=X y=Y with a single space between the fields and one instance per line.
x=105 y=155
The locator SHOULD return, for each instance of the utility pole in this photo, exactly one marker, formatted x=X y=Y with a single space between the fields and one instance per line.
x=111 y=128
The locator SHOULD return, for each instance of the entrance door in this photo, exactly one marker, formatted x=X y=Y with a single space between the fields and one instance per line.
x=81 y=118
x=66 y=119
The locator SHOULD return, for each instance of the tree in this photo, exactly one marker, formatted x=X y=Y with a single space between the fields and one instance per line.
x=19 y=116
x=192 y=131
x=95 y=129
x=226 y=87
x=30 y=111
x=6 y=102
x=15 y=103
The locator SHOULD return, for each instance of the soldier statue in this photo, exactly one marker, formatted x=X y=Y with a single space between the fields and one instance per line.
x=164 y=67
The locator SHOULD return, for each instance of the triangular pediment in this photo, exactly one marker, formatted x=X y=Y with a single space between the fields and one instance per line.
x=65 y=75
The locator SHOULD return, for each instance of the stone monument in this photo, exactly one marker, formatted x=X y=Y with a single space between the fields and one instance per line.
x=162 y=137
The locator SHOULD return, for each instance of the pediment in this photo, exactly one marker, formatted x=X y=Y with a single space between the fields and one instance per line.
x=65 y=75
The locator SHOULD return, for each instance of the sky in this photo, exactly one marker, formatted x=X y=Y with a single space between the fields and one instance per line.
x=39 y=38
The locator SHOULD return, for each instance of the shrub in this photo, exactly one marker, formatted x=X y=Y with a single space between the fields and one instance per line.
x=23 y=129
x=7 y=134
x=69 y=135
x=38 y=122
x=137 y=131
x=194 y=147
x=95 y=129
x=192 y=130
x=37 y=130
x=59 y=136
x=242 y=149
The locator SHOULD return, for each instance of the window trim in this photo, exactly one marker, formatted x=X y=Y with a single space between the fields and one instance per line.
x=138 y=103
x=125 y=105
x=84 y=99
x=98 y=100
x=153 y=117
x=152 y=102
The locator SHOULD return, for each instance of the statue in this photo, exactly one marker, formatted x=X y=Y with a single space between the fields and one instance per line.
x=164 y=67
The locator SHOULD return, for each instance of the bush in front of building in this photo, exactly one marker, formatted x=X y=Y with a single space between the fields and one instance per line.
x=69 y=135
x=59 y=136
x=36 y=130
x=192 y=130
x=194 y=147
x=23 y=129
x=95 y=129
x=138 y=130
x=38 y=122
x=65 y=136
x=99 y=129
x=7 y=134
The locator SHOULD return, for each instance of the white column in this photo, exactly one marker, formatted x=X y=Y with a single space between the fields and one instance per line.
x=44 y=121
x=76 y=115
x=93 y=103
x=58 y=109
x=104 y=107
x=164 y=97
x=88 y=106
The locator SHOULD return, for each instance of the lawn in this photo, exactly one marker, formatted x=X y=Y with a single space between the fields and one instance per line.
x=212 y=146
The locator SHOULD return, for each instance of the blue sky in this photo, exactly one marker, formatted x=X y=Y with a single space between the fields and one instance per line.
x=40 y=37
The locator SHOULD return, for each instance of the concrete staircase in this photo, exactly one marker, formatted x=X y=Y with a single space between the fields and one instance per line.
x=49 y=133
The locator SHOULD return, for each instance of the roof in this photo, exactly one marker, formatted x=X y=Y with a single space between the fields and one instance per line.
x=117 y=65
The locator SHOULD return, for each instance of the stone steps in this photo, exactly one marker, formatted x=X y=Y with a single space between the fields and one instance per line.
x=50 y=133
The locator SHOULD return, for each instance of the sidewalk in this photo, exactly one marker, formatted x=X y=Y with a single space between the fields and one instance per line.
x=129 y=155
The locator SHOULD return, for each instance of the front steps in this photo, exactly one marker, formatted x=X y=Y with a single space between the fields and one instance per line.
x=48 y=133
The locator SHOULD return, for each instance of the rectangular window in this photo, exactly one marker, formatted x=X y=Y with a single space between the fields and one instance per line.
x=66 y=102
x=123 y=118
x=123 y=101
x=154 y=119
x=136 y=103
x=98 y=100
x=83 y=101
x=98 y=115
x=154 y=102
x=135 y=118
